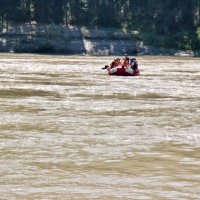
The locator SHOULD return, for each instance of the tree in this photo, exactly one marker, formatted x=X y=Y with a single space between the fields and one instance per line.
x=41 y=12
x=57 y=10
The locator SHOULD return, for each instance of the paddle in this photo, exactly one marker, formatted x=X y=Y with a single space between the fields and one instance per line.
x=106 y=67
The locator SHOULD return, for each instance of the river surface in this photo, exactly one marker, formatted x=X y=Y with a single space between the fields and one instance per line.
x=70 y=131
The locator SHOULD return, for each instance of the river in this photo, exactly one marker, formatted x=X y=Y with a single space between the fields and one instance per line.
x=70 y=131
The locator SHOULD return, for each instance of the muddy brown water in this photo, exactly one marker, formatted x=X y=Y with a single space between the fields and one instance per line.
x=70 y=131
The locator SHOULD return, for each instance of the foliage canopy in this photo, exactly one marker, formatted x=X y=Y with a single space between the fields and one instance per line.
x=166 y=23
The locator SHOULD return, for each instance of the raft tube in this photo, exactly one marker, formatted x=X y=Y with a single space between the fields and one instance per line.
x=123 y=71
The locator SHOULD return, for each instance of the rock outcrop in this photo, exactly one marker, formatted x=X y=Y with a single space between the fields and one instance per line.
x=34 y=38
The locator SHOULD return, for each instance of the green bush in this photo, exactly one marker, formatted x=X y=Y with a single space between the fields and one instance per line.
x=185 y=40
x=197 y=41
x=154 y=39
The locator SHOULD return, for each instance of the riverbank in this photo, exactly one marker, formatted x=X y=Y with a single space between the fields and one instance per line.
x=34 y=38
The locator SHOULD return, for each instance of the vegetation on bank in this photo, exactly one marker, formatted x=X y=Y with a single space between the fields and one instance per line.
x=184 y=40
x=168 y=24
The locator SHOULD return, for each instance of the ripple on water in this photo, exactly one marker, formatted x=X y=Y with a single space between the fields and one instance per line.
x=66 y=134
x=23 y=93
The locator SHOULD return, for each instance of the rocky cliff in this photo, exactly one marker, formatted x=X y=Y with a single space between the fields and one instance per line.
x=33 y=38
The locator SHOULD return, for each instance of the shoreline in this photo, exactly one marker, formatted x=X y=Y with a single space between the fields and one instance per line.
x=75 y=40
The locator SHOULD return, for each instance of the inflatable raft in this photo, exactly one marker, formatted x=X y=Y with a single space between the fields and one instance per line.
x=123 y=71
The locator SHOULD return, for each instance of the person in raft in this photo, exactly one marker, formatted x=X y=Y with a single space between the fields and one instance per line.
x=115 y=63
x=125 y=61
x=134 y=63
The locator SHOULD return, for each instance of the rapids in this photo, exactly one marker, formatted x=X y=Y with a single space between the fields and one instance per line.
x=70 y=131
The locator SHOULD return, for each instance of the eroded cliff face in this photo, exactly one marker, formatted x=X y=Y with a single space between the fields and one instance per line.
x=34 y=38
x=71 y=40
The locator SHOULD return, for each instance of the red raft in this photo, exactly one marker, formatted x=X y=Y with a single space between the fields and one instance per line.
x=123 y=71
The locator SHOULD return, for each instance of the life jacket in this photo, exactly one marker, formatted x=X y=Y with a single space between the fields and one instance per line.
x=112 y=64
x=125 y=62
x=115 y=63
